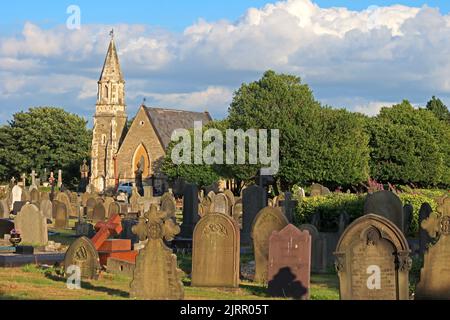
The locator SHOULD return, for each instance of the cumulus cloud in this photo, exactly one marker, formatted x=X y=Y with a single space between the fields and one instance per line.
x=360 y=60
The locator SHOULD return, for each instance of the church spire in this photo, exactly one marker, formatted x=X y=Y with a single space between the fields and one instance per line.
x=111 y=68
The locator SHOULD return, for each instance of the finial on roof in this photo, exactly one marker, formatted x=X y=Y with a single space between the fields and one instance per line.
x=111 y=33
x=144 y=101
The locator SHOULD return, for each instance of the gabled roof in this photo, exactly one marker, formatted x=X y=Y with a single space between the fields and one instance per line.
x=166 y=121
x=111 y=67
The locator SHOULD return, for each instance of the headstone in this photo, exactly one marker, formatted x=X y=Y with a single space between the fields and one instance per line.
x=135 y=200
x=127 y=230
x=16 y=194
x=83 y=254
x=18 y=206
x=26 y=197
x=253 y=201
x=408 y=212
x=32 y=225
x=220 y=204
x=435 y=275
x=99 y=213
x=424 y=238
x=190 y=210
x=288 y=206
x=267 y=221
x=319 y=190
x=114 y=208
x=156 y=276
x=47 y=209
x=344 y=221
x=122 y=197
x=204 y=207
x=372 y=260
x=168 y=205
x=90 y=204
x=318 y=249
x=64 y=198
x=60 y=180
x=84 y=229
x=6 y=226
x=216 y=252
x=61 y=215
x=4 y=209
x=230 y=196
x=386 y=204
x=107 y=204
x=35 y=196
x=237 y=213
x=289 y=266
x=148 y=192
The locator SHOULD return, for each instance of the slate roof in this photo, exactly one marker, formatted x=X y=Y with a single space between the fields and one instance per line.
x=166 y=121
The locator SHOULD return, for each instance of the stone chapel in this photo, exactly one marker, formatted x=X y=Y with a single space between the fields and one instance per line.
x=117 y=150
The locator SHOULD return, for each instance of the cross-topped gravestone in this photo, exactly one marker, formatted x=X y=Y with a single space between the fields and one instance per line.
x=435 y=274
x=156 y=276
x=106 y=229
x=33 y=178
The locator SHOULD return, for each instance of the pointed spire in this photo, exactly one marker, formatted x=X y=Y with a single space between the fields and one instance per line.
x=111 y=68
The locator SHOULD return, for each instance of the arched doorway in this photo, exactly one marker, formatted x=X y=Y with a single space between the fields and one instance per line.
x=141 y=156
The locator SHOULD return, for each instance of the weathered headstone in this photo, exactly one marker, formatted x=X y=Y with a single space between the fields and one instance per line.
x=84 y=229
x=435 y=274
x=83 y=254
x=215 y=253
x=99 y=213
x=46 y=208
x=26 y=197
x=386 y=204
x=220 y=204
x=61 y=215
x=156 y=276
x=267 y=221
x=127 y=230
x=114 y=208
x=168 y=205
x=318 y=249
x=424 y=238
x=35 y=196
x=90 y=205
x=32 y=225
x=107 y=204
x=16 y=195
x=190 y=210
x=319 y=190
x=253 y=201
x=64 y=198
x=344 y=221
x=372 y=260
x=237 y=213
x=4 y=209
x=288 y=206
x=135 y=200
x=289 y=266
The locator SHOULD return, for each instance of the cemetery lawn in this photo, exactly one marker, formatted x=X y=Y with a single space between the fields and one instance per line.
x=33 y=283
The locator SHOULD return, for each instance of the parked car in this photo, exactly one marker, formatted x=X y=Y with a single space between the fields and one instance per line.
x=126 y=187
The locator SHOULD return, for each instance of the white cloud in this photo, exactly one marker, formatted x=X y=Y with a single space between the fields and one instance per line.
x=350 y=58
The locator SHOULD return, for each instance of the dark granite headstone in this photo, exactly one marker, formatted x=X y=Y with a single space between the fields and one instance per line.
x=190 y=210
x=127 y=230
x=254 y=199
x=288 y=206
x=5 y=227
x=408 y=212
x=18 y=206
x=425 y=239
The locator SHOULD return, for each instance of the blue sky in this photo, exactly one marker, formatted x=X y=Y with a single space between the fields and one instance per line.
x=194 y=54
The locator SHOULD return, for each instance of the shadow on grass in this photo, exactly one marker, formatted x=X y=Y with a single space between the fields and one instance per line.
x=255 y=289
x=89 y=286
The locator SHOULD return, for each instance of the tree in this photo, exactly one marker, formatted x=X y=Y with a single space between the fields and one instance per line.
x=44 y=137
x=317 y=144
x=409 y=146
x=439 y=109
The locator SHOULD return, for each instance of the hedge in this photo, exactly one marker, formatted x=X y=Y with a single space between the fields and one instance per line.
x=331 y=206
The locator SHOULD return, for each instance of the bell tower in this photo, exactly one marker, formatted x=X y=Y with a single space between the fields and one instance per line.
x=109 y=121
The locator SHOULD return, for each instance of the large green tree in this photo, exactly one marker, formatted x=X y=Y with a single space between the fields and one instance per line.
x=439 y=109
x=317 y=144
x=409 y=146
x=44 y=138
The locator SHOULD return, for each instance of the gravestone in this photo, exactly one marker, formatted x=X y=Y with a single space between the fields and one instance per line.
x=230 y=197
x=85 y=197
x=61 y=215
x=26 y=197
x=268 y=220
x=47 y=209
x=424 y=237
x=344 y=221
x=83 y=254
x=215 y=252
x=319 y=262
x=408 y=212
x=18 y=205
x=237 y=213
x=289 y=266
x=44 y=196
x=6 y=226
x=319 y=190
x=168 y=205
x=135 y=200
x=99 y=213
x=190 y=210
x=288 y=206
x=372 y=260
x=84 y=229
x=127 y=230
x=253 y=201
x=32 y=225
x=90 y=205
x=64 y=198
x=4 y=209
x=107 y=204
x=16 y=194
x=386 y=204
x=156 y=276
x=220 y=204
x=114 y=208
x=35 y=196
x=435 y=274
